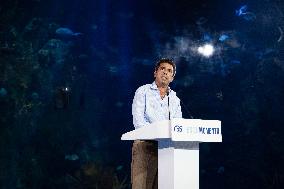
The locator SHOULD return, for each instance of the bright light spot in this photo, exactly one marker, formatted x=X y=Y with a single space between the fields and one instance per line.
x=206 y=50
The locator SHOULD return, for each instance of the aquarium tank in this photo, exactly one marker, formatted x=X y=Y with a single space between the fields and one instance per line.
x=69 y=71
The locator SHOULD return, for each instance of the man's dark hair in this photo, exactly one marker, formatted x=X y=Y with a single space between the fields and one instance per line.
x=166 y=60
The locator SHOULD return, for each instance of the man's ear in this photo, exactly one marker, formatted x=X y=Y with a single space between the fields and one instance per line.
x=155 y=73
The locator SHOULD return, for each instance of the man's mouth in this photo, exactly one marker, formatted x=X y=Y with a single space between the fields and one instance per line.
x=164 y=77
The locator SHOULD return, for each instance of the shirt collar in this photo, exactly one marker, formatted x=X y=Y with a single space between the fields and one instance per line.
x=154 y=86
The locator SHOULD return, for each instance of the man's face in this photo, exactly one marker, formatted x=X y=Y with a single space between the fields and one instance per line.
x=164 y=74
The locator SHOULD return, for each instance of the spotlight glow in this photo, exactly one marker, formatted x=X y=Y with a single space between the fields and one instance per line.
x=207 y=50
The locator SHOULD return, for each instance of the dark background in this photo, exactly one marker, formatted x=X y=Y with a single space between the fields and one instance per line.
x=65 y=99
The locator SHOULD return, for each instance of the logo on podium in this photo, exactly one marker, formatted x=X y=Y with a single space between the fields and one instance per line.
x=178 y=128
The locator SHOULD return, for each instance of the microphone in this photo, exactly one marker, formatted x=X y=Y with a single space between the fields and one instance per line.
x=168 y=94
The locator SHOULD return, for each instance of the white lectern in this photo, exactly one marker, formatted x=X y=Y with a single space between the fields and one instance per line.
x=178 y=153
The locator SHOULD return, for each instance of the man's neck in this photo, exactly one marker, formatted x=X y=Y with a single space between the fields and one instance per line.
x=162 y=89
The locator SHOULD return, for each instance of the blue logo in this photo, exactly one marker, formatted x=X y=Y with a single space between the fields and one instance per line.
x=178 y=128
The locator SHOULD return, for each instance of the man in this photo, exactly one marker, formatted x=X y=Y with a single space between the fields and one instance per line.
x=151 y=103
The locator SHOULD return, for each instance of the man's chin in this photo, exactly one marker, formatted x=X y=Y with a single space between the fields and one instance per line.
x=164 y=83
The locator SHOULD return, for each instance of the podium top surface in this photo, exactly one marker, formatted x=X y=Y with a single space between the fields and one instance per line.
x=178 y=129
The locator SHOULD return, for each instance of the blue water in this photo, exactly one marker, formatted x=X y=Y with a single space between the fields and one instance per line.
x=69 y=70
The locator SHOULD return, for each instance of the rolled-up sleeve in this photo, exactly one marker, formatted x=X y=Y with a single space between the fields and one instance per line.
x=138 y=108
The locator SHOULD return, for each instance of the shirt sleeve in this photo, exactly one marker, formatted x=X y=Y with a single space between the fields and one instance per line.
x=138 y=108
x=178 y=113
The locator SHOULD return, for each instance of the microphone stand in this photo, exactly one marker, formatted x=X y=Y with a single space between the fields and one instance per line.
x=168 y=93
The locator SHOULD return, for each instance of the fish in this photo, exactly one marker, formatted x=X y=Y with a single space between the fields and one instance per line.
x=119 y=168
x=72 y=157
x=235 y=62
x=3 y=92
x=219 y=95
x=245 y=14
x=66 y=32
x=113 y=69
x=242 y=10
x=223 y=37
x=201 y=21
